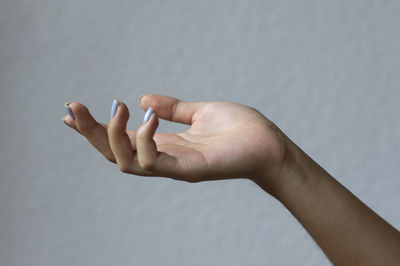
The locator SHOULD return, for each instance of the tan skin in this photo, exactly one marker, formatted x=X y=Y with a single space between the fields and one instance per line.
x=229 y=140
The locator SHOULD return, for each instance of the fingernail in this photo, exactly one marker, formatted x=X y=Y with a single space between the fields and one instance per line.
x=140 y=98
x=148 y=114
x=114 y=108
x=69 y=111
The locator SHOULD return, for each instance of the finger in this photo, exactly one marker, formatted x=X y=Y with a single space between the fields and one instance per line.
x=170 y=108
x=69 y=122
x=85 y=124
x=149 y=158
x=119 y=140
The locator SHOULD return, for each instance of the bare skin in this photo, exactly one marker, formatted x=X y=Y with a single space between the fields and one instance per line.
x=229 y=140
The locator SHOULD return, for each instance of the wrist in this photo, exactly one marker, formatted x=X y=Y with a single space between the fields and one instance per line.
x=293 y=173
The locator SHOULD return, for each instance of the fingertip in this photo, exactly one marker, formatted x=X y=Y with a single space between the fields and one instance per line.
x=148 y=114
x=156 y=101
x=78 y=110
x=170 y=108
x=68 y=121
x=150 y=118
x=145 y=101
x=114 y=108
x=69 y=110
x=83 y=121
x=149 y=125
x=120 y=113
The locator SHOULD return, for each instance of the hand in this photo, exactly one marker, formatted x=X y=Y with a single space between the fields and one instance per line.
x=229 y=140
x=225 y=140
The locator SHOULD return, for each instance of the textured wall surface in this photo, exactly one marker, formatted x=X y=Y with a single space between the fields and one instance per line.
x=326 y=72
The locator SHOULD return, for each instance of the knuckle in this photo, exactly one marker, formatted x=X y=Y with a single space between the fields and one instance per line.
x=124 y=169
x=172 y=110
x=110 y=158
x=147 y=165
x=193 y=180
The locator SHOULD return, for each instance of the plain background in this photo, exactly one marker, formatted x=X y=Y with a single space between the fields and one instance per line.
x=326 y=72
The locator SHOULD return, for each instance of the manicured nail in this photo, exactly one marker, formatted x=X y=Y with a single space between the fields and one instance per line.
x=140 y=98
x=69 y=111
x=114 y=108
x=148 y=114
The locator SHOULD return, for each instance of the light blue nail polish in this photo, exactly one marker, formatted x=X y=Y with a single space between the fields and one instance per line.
x=114 y=108
x=148 y=114
x=69 y=111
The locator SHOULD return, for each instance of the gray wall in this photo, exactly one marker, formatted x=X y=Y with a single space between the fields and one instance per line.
x=327 y=72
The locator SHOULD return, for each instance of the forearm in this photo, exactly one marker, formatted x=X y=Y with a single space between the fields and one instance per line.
x=347 y=230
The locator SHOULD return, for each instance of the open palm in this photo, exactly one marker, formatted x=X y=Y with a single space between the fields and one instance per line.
x=225 y=140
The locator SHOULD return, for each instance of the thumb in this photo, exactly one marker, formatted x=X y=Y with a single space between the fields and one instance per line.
x=170 y=108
